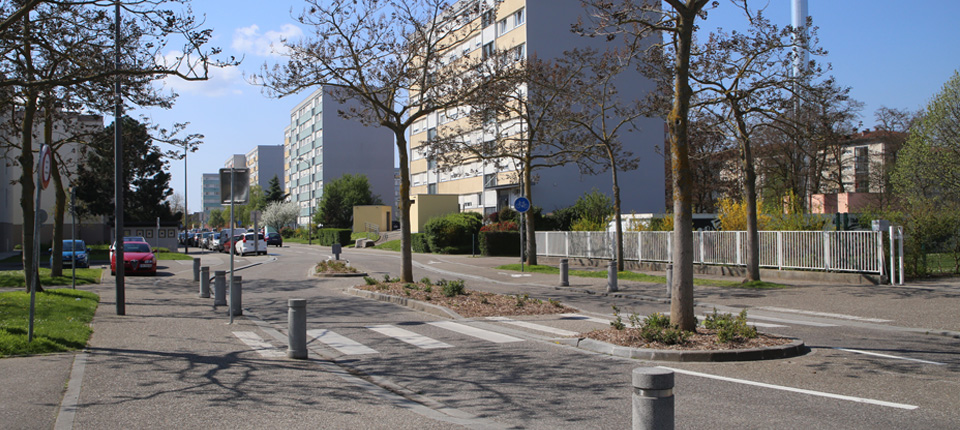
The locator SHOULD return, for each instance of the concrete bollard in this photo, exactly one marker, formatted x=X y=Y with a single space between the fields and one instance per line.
x=612 y=277
x=297 y=328
x=196 y=270
x=235 y=295
x=219 y=288
x=653 y=406
x=669 y=280
x=564 y=273
x=205 y=282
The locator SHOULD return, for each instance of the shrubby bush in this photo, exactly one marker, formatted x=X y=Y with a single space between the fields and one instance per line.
x=453 y=233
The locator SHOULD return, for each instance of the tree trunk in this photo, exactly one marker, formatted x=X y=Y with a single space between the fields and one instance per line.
x=749 y=195
x=28 y=188
x=528 y=219
x=56 y=268
x=681 y=291
x=618 y=218
x=406 y=252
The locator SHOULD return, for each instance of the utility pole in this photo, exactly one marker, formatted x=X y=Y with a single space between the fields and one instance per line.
x=119 y=184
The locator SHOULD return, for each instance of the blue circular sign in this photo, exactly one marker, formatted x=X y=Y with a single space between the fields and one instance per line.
x=521 y=204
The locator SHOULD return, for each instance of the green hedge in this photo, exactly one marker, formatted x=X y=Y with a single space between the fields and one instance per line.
x=418 y=243
x=453 y=233
x=500 y=243
x=329 y=236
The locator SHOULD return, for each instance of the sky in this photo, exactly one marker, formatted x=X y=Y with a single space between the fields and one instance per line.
x=890 y=52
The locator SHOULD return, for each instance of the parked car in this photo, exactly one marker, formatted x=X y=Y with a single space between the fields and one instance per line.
x=229 y=244
x=125 y=240
x=224 y=237
x=251 y=243
x=74 y=249
x=205 y=239
x=275 y=239
x=138 y=257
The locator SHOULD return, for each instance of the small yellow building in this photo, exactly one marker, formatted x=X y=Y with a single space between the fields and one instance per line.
x=366 y=217
x=427 y=206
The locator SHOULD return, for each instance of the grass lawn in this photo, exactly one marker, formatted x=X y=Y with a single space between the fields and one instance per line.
x=640 y=277
x=14 y=278
x=172 y=256
x=61 y=321
x=393 y=245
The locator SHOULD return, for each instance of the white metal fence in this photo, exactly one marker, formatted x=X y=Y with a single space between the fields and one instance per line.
x=844 y=251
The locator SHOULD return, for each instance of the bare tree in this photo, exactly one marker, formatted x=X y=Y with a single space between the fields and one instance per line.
x=389 y=57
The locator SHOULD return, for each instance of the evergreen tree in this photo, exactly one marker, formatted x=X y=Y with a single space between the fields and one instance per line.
x=275 y=192
x=339 y=198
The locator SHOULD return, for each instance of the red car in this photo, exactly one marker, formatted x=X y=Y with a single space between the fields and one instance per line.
x=137 y=258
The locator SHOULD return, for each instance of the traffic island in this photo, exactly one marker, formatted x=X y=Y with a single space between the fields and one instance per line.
x=335 y=269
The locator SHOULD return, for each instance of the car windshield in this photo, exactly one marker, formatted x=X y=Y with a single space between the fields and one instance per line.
x=136 y=247
x=68 y=246
x=249 y=236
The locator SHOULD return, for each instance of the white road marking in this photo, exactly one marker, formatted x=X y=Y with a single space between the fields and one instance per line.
x=258 y=344
x=539 y=327
x=410 y=337
x=786 y=321
x=585 y=317
x=796 y=390
x=756 y=324
x=340 y=343
x=475 y=332
x=824 y=314
x=890 y=356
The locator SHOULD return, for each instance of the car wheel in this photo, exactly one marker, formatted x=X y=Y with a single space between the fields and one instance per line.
x=113 y=273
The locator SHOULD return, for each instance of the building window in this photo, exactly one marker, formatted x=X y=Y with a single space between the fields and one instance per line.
x=431 y=188
x=487 y=18
x=431 y=133
x=518 y=17
x=501 y=27
x=487 y=50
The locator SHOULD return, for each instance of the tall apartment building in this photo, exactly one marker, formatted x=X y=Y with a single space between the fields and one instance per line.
x=265 y=162
x=210 y=193
x=321 y=146
x=237 y=161
x=538 y=28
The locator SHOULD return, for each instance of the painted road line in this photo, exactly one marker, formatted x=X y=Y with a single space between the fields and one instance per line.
x=796 y=390
x=786 y=321
x=538 y=327
x=857 y=351
x=258 y=344
x=824 y=314
x=756 y=324
x=340 y=343
x=408 y=336
x=475 y=332
x=585 y=318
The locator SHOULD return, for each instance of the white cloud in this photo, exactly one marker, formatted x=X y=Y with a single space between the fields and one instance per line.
x=222 y=81
x=249 y=40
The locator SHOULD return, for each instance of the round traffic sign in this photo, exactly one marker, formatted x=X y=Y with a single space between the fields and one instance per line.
x=46 y=166
x=521 y=204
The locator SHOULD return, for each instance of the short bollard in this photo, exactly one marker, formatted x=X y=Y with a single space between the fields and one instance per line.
x=219 y=288
x=652 y=398
x=336 y=249
x=196 y=270
x=205 y=282
x=669 y=280
x=564 y=273
x=235 y=295
x=612 y=277
x=297 y=328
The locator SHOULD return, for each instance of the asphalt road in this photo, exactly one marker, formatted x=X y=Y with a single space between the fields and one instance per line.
x=860 y=373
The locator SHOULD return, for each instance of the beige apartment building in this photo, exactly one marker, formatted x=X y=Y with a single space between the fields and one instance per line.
x=525 y=28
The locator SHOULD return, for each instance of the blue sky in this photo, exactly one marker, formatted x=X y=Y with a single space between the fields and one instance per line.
x=891 y=52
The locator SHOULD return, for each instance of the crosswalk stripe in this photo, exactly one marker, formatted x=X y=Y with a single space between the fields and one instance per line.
x=585 y=318
x=824 y=314
x=408 y=336
x=538 y=327
x=258 y=344
x=340 y=343
x=475 y=332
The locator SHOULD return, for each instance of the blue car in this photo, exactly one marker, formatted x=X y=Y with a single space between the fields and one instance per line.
x=73 y=248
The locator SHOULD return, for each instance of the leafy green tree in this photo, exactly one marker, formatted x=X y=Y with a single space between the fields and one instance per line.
x=274 y=193
x=593 y=211
x=148 y=184
x=216 y=219
x=339 y=198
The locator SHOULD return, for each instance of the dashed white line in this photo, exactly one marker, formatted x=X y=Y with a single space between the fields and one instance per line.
x=410 y=337
x=585 y=318
x=539 y=327
x=857 y=351
x=824 y=314
x=796 y=390
x=258 y=344
x=340 y=343
x=476 y=332
x=797 y=322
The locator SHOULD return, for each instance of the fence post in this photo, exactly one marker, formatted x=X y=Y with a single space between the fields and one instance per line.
x=703 y=255
x=589 y=246
x=219 y=288
x=739 y=249
x=612 y=277
x=566 y=239
x=236 y=295
x=653 y=402
x=779 y=249
x=297 y=328
x=564 y=272
x=826 y=250
x=669 y=280
x=205 y=282
x=640 y=246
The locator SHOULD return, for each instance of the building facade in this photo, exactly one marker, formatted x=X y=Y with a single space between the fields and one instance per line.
x=528 y=28
x=210 y=193
x=321 y=146
x=265 y=162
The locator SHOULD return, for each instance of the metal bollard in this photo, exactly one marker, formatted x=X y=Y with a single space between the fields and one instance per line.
x=196 y=270
x=235 y=295
x=219 y=288
x=612 y=277
x=205 y=282
x=669 y=280
x=653 y=398
x=564 y=273
x=297 y=328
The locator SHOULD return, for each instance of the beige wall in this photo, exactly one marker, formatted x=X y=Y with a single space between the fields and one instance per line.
x=427 y=206
x=379 y=215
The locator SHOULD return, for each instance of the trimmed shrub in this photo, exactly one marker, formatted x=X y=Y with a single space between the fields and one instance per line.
x=287 y=232
x=501 y=226
x=500 y=243
x=329 y=236
x=453 y=233
x=418 y=243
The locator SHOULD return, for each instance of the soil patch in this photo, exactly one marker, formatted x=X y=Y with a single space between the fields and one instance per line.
x=702 y=340
x=471 y=303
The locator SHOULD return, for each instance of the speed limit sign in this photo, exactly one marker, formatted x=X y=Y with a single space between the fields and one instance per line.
x=46 y=166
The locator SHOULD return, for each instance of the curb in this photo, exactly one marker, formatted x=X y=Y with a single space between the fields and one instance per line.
x=339 y=275
x=789 y=350
x=439 y=311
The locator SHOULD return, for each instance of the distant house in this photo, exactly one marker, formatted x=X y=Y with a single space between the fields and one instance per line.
x=855 y=171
